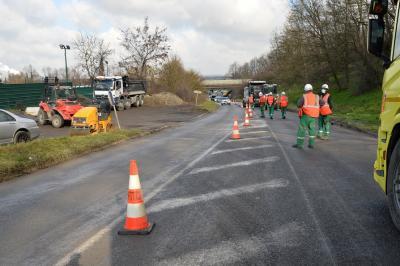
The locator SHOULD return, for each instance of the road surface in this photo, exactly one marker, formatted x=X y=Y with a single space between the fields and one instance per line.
x=255 y=201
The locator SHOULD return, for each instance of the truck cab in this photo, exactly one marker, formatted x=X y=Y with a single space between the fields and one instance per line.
x=386 y=166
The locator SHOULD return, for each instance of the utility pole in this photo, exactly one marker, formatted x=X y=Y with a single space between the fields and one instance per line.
x=65 y=48
x=106 y=67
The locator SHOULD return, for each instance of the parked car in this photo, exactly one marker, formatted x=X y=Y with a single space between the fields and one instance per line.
x=225 y=100
x=16 y=128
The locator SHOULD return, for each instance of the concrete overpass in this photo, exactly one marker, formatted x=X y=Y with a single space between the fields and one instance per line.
x=225 y=85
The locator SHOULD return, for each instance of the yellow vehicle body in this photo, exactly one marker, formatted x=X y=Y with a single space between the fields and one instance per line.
x=89 y=121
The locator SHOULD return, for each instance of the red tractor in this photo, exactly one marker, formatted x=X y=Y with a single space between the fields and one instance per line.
x=59 y=104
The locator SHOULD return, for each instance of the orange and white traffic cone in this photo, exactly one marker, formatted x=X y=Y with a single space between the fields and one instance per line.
x=246 y=120
x=136 y=222
x=235 y=130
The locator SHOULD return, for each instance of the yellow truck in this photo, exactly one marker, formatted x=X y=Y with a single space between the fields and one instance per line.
x=387 y=164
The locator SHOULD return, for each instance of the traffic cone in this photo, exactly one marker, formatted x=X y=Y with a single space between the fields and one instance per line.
x=250 y=113
x=136 y=222
x=235 y=130
x=246 y=120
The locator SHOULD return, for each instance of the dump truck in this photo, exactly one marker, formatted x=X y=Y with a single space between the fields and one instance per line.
x=253 y=87
x=387 y=163
x=126 y=92
x=59 y=103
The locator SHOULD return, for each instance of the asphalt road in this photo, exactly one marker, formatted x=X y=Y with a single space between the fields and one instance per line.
x=255 y=201
x=145 y=117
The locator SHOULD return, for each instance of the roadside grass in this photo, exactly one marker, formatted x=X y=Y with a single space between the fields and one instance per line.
x=359 y=111
x=24 y=158
x=208 y=106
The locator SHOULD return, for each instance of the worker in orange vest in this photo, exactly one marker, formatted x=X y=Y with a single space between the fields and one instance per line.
x=262 y=104
x=308 y=106
x=324 y=121
x=283 y=104
x=251 y=101
x=271 y=105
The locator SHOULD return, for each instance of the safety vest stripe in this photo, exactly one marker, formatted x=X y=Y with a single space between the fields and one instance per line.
x=134 y=182
x=135 y=210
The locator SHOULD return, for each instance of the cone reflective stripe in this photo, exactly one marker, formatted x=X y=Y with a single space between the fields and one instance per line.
x=235 y=130
x=250 y=113
x=246 y=120
x=136 y=222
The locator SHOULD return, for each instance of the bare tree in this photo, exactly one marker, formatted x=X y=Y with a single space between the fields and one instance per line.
x=91 y=53
x=144 y=48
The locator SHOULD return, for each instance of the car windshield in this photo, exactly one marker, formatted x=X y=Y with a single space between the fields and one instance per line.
x=103 y=85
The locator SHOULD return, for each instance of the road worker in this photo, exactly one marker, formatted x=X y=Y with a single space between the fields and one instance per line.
x=308 y=105
x=271 y=105
x=262 y=104
x=251 y=101
x=283 y=104
x=324 y=121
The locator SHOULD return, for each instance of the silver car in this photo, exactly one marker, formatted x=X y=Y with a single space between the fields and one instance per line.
x=16 y=129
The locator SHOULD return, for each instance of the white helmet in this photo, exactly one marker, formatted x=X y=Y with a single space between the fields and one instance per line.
x=308 y=87
x=270 y=93
x=260 y=94
x=283 y=93
x=325 y=86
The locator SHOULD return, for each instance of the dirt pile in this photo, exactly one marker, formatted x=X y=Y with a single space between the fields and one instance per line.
x=163 y=98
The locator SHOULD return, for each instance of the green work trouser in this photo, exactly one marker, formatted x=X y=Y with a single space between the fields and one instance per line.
x=283 y=111
x=307 y=124
x=262 y=109
x=271 y=110
x=324 y=125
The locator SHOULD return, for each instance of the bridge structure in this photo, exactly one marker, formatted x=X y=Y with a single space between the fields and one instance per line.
x=232 y=87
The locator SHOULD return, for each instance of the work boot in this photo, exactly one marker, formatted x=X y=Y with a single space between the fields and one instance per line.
x=297 y=146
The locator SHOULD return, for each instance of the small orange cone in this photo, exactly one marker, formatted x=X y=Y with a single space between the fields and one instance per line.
x=235 y=130
x=246 y=120
x=136 y=222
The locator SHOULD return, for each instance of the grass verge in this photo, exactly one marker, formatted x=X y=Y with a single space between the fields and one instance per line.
x=359 y=112
x=20 y=159
x=208 y=106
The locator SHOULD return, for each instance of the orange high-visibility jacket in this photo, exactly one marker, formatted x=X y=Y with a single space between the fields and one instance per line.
x=311 y=105
x=251 y=99
x=262 y=100
x=270 y=99
x=284 y=101
x=325 y=109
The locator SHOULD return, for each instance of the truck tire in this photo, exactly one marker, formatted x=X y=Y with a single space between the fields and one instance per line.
x=57 y=121
x=42 y=117
x=393 y=185
x=120 y=106
x=127 y=103
x=22 y=136
x=137 y=102
x=141 y=100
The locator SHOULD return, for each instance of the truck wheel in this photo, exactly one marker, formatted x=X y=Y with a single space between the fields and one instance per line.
x=42 y=117
x=393 y=185
x=21 y=136
x=141 y=100
x=127 y=104
x=137 y=102
x=120 y=106
x=57 y=121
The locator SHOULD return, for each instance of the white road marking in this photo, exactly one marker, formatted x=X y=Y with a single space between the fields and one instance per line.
x=242 y=149
x=181 y=202
x=106 y=230
x=238 y=250
x=254 y=132
x=243 y=163
x=245 y=139
x=323 y=237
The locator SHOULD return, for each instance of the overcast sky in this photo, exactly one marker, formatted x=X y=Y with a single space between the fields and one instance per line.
x=207 y=34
